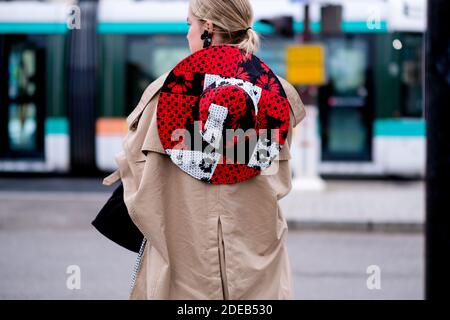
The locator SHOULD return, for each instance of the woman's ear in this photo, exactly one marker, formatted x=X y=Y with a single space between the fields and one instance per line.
x=209 y=26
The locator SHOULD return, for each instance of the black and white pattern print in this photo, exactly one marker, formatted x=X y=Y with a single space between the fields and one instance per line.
x=252 y=90
x=214 y=125
x=198 y=164
x=264 y=153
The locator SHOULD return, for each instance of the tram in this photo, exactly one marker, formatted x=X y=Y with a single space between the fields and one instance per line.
x=370 y=110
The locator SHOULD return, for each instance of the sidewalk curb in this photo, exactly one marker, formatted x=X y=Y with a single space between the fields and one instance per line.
x=357 y=226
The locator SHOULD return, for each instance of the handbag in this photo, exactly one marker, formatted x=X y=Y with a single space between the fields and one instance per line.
x=114 y=222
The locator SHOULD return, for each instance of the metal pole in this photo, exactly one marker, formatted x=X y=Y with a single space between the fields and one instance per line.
x=437 y=115
x=82 y=87
x=307 y=34
x=307 y=97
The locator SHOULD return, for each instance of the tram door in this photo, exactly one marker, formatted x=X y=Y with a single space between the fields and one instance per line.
x=346 y=101
x=22 y=98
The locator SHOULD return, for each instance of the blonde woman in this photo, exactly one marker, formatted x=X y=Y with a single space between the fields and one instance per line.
x=214 y=231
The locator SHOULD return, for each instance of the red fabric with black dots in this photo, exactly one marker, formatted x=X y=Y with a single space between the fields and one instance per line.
x=169 y=119
x=231 y=97
x=183 y=101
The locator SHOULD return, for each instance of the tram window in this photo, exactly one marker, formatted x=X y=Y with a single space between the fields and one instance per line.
x=129 y=63
x=148 y=57
x=22 y=87
x=273 y=52
x=23 y=101
x=348 y=78
x=22 y=127
x=345 y=104
x=346 y=132
x=399 y=70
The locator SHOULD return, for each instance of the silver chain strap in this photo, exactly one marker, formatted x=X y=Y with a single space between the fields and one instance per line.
x=137 y=265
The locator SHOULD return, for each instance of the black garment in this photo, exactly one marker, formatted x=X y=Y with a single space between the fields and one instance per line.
x=114 y=222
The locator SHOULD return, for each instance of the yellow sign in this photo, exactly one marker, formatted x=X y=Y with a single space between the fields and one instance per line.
x=305 y=64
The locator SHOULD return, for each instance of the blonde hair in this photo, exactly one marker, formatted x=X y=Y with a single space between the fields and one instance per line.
x=230 y=18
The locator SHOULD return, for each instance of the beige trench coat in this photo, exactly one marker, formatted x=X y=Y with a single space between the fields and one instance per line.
x=205 y=241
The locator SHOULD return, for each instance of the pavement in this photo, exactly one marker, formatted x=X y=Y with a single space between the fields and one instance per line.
x=45 y=228
x=384 y=205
